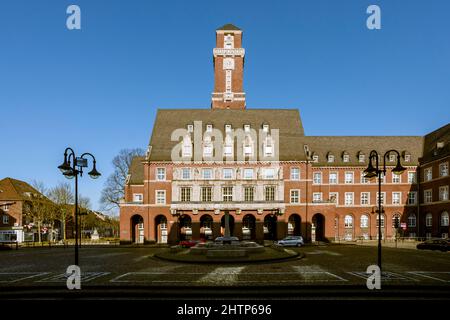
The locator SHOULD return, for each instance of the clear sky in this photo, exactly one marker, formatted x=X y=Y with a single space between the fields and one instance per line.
x=97 y=89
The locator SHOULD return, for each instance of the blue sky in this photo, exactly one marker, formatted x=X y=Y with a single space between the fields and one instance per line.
x=97 y=89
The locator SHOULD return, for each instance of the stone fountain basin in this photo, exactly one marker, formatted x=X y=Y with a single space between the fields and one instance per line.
x=219 y=250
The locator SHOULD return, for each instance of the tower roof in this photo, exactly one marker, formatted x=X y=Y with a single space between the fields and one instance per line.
x=228 y=26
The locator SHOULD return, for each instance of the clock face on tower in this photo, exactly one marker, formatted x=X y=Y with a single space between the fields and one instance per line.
x=228 y=63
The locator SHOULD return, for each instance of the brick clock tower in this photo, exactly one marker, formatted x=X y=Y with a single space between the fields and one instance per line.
x=228 y=69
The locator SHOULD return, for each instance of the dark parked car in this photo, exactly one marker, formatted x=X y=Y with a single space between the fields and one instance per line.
x=435 y=244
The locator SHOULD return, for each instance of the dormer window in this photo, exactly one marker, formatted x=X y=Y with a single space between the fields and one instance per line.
x=265 y=128
x=315 y=157
x=268 y=146
x=345 y=157
x=248 y=146
x=209 y=128
x=228 y=128
x=391 y=157
x=187 y=147
x=330 y=158
x=228 y=147
x=440 y=145
x=407 y=156
x=246 y=128
x=190 y=128
x=362 y=157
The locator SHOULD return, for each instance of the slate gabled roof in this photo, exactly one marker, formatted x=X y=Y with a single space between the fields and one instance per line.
x=287 y=121
x=430 y=148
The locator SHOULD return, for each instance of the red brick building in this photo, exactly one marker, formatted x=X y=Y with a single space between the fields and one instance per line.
x=258 y=165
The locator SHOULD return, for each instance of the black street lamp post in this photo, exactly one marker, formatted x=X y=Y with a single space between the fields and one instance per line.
x=371 y=172
x=71 y=167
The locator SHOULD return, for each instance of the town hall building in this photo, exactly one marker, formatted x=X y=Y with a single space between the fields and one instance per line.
x=273 y=180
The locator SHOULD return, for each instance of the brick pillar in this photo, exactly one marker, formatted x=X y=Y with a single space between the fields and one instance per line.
x=281 y=229
x=259 y=230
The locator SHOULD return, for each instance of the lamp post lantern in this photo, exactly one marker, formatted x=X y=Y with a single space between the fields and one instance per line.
x=71 y=168
x=379 y=171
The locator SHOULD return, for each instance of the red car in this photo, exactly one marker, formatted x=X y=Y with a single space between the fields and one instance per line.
x=189 y=243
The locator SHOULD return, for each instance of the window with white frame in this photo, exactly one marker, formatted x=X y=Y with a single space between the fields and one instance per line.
x=349 y=198
x=348 y=221
x=186 y=173
x=429 y=220
x=412 y=198
x=269 y=173
x=161 y=174
x=428 y=174
x=160 y=196
x=412 y=220
x=248 y=146
x=348 y=177
x=407 y=157
x=383 y=178
x=444 y=219
x=207 y=173
x=228 y=41
x=317 y=178
x=270 y=193
x=411 y=177
x=185 y=194
x=227 y=173
x=396 y=178
x=383 y=197
x=443 y=193
x=330 y=158
x=206 y=194
x=333 y=178
x=209 y=128
x=228 y=128
x=5 y=219
x=295 y=173
x=317 y=197
x=207 y=147
x=187 y=146
x=265 y=128
x=428 y=196
x=228 y=146
x=248 y=173
x=346 y=158
x=315 y=158
x=362 y=157
x=334 y=197
x=443 y=169
x=396 y=197
x=364 y=221
x=246 y=128
x=249 y=194
x=6 y=207
x=365 y=198
x=190 y=128
x=227 y=194
x=268 y=146
x=392 y=157
x=138 y=197
x=382 y=221
x=364 y=180
x=295 y=196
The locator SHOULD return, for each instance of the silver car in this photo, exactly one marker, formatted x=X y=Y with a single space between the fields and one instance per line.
x=293 y=241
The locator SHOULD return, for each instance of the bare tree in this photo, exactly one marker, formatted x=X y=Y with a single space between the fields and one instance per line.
x=113 y=189
x=63 y=196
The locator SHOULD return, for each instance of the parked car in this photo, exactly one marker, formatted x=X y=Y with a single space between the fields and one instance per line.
x=295 y=241
x=435 y=244
x=189 y=243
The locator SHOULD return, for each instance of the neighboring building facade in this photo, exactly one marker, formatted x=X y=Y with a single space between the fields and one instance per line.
x=272 y=179
x=13 y=197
